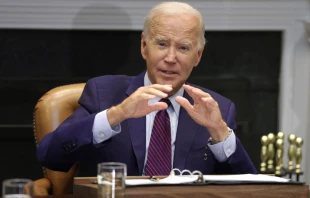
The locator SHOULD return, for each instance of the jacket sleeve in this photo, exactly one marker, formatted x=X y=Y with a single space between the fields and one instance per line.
x=239 y=162
x=61 y=148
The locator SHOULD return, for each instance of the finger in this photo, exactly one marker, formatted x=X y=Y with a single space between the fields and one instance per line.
x=197 y=92
x=163 y=88
x=157 y=106
x=200 y=93
x=157 y=92
x=210 y=103
x=184 y=103
x=147 y=96
x=189 y=90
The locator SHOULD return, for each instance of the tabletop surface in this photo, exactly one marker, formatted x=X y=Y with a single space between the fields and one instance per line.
x=85 y=187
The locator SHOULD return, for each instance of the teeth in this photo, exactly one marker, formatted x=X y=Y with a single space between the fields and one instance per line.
x=167 y=72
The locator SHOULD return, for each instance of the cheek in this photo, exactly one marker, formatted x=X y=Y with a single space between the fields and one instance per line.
x=156 y=56
x=187 y=64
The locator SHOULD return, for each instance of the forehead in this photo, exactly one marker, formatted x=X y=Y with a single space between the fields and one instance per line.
x=175 y=27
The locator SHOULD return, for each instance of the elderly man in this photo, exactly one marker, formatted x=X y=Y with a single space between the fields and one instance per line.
x=155 y=121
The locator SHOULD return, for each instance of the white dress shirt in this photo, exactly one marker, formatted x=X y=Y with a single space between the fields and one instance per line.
x=102 y=130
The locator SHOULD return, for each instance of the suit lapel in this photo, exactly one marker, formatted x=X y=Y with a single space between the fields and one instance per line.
x=137 y=126
x=187 y=129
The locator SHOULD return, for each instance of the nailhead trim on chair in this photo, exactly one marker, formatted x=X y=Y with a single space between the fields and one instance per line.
x=35 y=134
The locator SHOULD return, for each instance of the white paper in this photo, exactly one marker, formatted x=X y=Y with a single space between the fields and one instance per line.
x=176 y=179
x=16 y=196
x=245 y=177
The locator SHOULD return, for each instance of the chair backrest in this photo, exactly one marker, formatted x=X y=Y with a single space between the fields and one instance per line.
x=50 y=111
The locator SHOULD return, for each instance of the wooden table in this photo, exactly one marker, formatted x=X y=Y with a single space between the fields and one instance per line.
x=84 y=188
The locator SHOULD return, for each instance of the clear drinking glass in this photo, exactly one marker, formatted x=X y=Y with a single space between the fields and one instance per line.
x=111 y=179
x=17 y=188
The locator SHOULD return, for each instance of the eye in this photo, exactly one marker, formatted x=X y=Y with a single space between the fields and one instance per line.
x=184 y=48
x=161 y=44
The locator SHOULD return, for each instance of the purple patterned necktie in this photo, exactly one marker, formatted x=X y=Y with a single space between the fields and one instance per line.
x=159 y=152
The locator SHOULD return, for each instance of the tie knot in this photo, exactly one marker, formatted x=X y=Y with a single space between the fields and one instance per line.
x=166 y=100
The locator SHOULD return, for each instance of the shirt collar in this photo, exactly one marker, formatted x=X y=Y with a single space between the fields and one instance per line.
x=174 y=104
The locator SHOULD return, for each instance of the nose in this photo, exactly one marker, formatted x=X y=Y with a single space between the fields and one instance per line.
x=171 y=55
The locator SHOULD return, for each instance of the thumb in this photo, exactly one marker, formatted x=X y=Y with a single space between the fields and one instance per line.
x=158 y=106
x=184 y=103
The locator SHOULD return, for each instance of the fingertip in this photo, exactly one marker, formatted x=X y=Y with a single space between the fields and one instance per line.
x=150 y=97
x=177 y=97
x=167 y=87
x=184 y=85
x=162 y=106
x=159 y=106
x=181 y=100
x=186 y=88
x=170 y=87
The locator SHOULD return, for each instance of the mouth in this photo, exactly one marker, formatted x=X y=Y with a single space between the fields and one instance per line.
x=168 y=72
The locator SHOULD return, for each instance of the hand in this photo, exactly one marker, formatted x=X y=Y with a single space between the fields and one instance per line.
x=41 y=187
x=205 y=112
x=136 y=105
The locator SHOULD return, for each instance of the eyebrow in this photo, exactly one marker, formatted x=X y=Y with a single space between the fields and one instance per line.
x=187 y=43
x=161 y=38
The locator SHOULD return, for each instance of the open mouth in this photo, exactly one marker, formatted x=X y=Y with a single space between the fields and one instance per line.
x=168 y=72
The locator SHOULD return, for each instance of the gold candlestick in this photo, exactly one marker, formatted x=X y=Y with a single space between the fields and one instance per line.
x=264 y=154
x=279 y=153
x=279 y=156
x=291 y=151
x=298 y=158
x=280 y=135
x=271 y=151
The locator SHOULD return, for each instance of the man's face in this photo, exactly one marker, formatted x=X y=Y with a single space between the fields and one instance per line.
x=171 y=50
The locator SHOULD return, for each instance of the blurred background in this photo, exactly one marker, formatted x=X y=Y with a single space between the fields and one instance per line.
x=257 y=54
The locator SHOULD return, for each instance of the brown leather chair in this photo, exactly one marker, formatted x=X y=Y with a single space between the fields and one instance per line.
x=50 y=111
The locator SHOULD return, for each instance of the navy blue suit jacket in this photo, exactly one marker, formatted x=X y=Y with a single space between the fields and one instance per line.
x=72 y=140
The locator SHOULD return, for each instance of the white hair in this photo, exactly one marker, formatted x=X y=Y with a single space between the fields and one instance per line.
x=169 y=8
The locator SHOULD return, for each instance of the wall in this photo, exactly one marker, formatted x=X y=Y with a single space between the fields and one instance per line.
x=243 y=66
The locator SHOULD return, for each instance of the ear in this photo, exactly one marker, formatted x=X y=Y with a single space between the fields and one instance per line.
x=199 y=55
x=143 y=46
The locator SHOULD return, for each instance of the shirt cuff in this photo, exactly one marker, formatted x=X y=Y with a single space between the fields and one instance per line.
x=223 y=150
x=102 y=130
